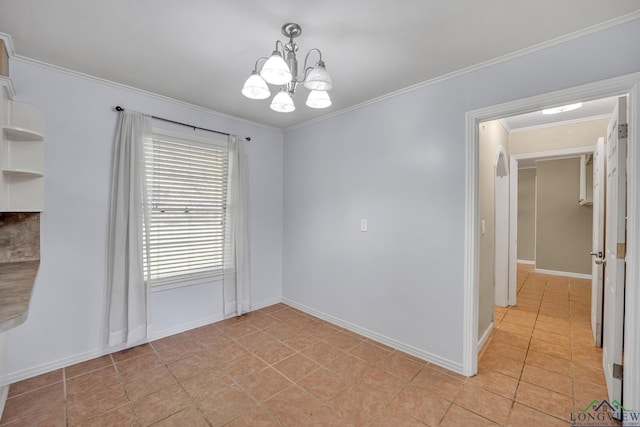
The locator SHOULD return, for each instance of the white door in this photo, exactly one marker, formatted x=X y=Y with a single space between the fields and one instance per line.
x=597 y=249
x=615 y=251
x=501 y=227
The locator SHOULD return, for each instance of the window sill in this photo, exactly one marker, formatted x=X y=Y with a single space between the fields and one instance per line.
x=185 y=280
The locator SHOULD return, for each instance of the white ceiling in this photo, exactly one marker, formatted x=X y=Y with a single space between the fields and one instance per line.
x=598 y=108
x=201 y=51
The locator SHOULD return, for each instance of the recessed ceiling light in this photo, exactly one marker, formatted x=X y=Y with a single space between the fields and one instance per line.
x=562 y=109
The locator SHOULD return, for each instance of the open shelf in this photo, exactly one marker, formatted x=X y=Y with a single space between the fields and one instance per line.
x=15 y=133
x=23 y=172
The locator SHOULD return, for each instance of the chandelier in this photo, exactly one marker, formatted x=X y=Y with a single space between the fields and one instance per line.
x=281 y=69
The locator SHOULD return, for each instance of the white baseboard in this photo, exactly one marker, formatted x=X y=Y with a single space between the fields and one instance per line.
x=563 y=273
x=156 y=335
x=51 y=366
x=485 y=336
x=4 y=393
x=424 y=355
x=526 y=261
x=265 y=304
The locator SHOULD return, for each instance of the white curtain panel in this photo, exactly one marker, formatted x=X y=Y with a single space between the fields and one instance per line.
x=237 y=278
x=128 y=294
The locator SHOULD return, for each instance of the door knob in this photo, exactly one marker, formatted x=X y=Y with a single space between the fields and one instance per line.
x=600 y=261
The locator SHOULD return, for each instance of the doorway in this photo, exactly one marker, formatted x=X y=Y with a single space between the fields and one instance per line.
x=613 y=87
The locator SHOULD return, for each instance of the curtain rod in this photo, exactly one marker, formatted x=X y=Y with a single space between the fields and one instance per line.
x=119 y=108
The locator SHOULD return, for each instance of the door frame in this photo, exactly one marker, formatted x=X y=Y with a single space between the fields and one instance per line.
x=562 y=153
x=502 y=291
x=628 y=84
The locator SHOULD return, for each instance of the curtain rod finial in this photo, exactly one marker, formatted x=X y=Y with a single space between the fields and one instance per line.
x=119 y=108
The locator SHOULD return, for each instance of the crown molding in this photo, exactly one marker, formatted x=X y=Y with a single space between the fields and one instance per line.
x=27 y=60
x=505 y=125
x=8 y=43
x=509 y=56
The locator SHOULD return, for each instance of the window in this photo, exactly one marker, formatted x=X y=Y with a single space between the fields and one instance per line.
x=186 y=184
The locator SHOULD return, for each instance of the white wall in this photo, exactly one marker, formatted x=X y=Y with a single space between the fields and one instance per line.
x=400 y=163
x=66 y=316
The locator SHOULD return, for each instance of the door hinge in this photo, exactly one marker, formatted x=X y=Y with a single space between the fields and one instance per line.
x=621 y=251
x=617 y=371
x=622 y=130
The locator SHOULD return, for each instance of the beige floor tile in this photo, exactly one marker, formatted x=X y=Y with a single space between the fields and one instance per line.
x=421 y=404
x=88 y=366
x=39 y=400
x=541 y=399
x=323 y=384
x=586 y=392
x=592 y=373
x=300 y=341
x=548 y=379
x=296 y=367
x=53 y=416
x=496 y=382
x=279 y=366
x=240 y=329
x=438 y=382
x=506 y=366
x=506 y=350
x=360 y=404
x=120 y=416
x=264 y=384
x=273 y=352
x=145 y=383
x=370 y=353
x=291 y=406
x=256 y=418
x=83 y=408
x=226 y=405
x=326 y=417
x=485 y=403
x=400 y=366
x=381 y=383
x=91 y=382
x=243 y=366
x=131 y=352
x=322 y=353
x=460 y=417
x=136 y=365
x=524 y=416
x=550 y=363
x=35 y=383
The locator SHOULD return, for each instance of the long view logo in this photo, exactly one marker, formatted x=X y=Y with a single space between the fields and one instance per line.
x=603 y=413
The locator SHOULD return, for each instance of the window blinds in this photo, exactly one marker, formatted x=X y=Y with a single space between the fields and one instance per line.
x=186 y=186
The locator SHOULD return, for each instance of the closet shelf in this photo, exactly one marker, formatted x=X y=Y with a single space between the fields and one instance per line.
x=15 y=133
x=23 y=172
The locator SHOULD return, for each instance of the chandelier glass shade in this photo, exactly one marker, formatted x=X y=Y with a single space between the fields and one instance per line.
x=275 y=71
x=255 y=87
x=318 y=99
x=282 y=102
x=281 y=69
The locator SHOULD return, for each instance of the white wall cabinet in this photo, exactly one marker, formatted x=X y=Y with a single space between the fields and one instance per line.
x=21 y=155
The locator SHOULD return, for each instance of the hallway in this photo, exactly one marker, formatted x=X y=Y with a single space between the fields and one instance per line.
x=541 y=353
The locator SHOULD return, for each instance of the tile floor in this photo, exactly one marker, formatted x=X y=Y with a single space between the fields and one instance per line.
x=280 y=367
